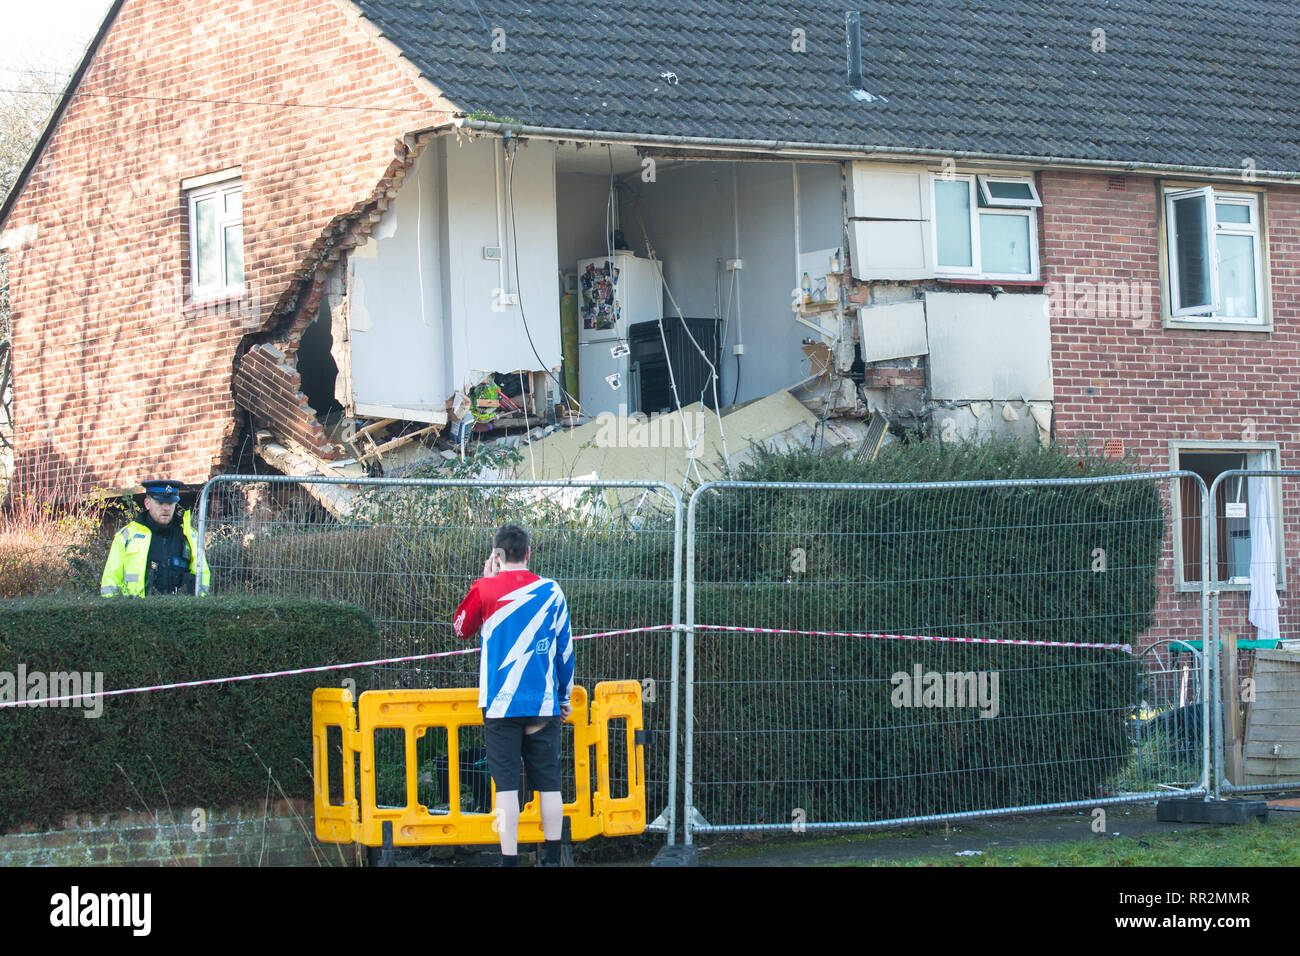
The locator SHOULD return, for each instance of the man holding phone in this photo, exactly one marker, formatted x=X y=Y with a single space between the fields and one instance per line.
x=525 y=682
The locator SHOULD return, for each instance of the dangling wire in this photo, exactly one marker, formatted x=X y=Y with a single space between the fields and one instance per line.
x=672 y=381
x=523 y=407
x=514 y=238
x=487 y=29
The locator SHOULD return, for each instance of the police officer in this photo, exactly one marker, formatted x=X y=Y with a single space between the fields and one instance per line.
x=156 y=553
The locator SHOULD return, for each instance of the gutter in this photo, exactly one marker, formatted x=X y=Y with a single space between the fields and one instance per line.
x=850 y=151
x=52 y=123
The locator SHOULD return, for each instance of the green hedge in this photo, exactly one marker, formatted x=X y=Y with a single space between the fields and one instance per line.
x=1011 y=563
x=195 y=747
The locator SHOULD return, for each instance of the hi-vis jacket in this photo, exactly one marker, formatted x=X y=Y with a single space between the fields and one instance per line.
x=128 y=559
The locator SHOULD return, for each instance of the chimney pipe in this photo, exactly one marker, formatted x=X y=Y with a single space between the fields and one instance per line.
x=853 y=31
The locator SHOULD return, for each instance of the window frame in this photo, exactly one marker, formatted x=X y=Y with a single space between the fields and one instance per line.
x=1252 y=230
x=1255 y=200
x=1033 y=202
x=218 y=189
x=978 y=207
x=1260 y=456
x=1172 y=196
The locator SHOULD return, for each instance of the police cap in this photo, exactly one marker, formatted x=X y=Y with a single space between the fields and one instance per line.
x=162 y=490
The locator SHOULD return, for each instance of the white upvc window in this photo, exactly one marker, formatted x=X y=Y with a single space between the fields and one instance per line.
x=216 y=239
x=1010 y=191
x=1215 y=261
x=1231 y=511
x=985 y=227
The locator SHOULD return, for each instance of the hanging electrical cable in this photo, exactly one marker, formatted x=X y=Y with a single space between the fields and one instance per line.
x=672 y=381
x=487 y=29
x=513 y=143
x=523 y=407
x=726 y=326
x=611 y=227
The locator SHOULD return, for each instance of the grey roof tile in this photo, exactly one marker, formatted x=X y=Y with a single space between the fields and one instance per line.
x=1186 y=82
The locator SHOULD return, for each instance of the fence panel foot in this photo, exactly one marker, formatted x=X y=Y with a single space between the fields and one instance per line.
x=1185 y=810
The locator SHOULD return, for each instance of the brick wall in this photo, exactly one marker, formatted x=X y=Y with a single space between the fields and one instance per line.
x=278 y=835
x=881 y=375
x=112 y=372
x=1119 y=374
x=267 y=382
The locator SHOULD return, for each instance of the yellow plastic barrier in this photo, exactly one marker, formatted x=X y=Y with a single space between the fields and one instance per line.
x=332 y=707
x=414 y=712
x=619 y=815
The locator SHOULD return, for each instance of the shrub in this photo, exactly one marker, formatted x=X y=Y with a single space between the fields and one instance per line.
x=195 y=747
x=54 y=537
x=409 y=554
x=787 y=721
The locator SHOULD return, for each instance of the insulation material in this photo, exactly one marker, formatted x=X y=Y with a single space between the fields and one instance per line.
x=1019 y=420
x=1042 y=414
x=337 y=303
x=616 y=446
x=986 y=348
x=893 y=331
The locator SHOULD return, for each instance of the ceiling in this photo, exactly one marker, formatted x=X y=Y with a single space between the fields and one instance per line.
x=594 y=159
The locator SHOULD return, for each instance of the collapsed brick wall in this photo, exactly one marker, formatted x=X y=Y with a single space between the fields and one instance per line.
x=880 y=375
x=112 y=371
x=279 y=834
x=1120 y=375
x=268 y=383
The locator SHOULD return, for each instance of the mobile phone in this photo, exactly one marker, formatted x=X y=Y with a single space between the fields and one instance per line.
x=498 y=556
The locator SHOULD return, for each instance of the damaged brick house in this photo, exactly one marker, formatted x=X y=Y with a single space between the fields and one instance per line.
x=325 y=222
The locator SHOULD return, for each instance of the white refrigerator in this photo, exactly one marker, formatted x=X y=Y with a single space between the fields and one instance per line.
x=613 y=294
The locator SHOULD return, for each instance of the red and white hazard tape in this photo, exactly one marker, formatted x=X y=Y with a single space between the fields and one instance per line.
x=580 y=637
x=291 y=673
x=1126 y=648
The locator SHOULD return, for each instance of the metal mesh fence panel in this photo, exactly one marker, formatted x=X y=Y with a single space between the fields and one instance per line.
x=1253 y=535
x=407 y=550
x=928 y=651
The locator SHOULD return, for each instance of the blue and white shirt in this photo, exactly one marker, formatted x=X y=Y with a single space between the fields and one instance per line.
x=526 y=668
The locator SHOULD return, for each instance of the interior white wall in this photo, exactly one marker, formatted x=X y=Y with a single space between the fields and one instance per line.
x=396 y=312
x=692 y=217
x=821 y=201
x=426 y=310
x=486 y=336
x=426 y=316
x=580 y=206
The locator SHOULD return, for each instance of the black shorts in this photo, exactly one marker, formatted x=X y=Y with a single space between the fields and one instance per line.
x=507 y=744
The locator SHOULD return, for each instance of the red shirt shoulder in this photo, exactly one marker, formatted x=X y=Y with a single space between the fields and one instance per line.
x=482 y=600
